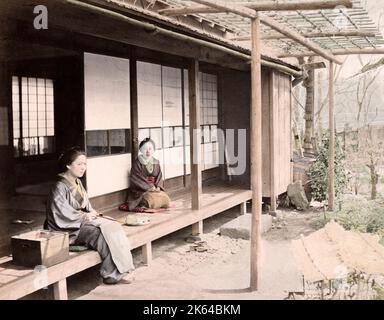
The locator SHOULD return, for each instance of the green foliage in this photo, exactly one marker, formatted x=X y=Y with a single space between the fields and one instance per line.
x=318 y=171
x=361 y=215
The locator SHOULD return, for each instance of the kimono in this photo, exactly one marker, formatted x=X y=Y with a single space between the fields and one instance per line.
x=66 y=205
x=143 y=177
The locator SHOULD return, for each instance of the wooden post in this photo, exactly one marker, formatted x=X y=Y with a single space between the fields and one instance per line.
x=243 y=207
x=319 y=105
x=309 y=85
x=273 y=109
x=60 y=290
x=331 y=149
x=197 y=228
x=256 y=165
x=7 y=169
x=195 y=134
x=134 y=108
x=295 y=106
x=146 y=251
x=290 y=121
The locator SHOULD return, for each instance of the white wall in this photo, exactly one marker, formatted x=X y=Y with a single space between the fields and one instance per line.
x=108 y=174
x=107 y=92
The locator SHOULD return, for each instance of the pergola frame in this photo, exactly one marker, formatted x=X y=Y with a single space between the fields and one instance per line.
x=262 y=6
x=333 y=25
x=255 y=114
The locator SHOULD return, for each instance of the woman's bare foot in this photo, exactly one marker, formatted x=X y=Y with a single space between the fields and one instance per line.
x=127 y=279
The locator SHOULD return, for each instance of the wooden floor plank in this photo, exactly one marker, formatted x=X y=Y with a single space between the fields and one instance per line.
x=31 y=282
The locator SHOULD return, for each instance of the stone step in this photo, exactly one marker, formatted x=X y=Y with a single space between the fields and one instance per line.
x=240 y=228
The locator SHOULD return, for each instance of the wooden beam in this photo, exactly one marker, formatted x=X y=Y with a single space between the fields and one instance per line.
x=313 y=35
x=263 y=6
x=195 y=133
x=337 y=52
x=331 y=146
x=256 y=151
x=299 y=38
x=229 y=7
x=281 y=68
x=183 y=45
x=134 y=109
x=327 y=34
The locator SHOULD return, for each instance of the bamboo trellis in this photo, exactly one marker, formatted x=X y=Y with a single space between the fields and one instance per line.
x=340 y=29
x=330 y=22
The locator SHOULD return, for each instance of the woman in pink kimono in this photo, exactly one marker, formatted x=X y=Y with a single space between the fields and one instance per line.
x=146 y=185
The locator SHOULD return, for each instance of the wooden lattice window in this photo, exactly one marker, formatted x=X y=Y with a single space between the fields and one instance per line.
x=108 y=142
x=33 y=116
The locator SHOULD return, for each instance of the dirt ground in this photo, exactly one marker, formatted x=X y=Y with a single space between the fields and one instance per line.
x=222 y=272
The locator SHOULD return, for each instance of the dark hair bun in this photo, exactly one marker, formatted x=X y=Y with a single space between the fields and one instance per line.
x=68 y=156
x=145 y=141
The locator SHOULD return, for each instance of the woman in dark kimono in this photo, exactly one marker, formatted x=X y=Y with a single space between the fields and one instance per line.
x=69 y=210
x=146 y=186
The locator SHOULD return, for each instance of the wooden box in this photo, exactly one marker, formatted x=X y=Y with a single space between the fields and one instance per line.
x=40 y=247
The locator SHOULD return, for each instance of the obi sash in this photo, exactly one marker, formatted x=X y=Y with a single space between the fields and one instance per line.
x=150 y=180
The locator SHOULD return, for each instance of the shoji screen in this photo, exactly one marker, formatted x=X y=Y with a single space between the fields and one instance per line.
x=161 y=114
x=150 y=109
x=173 y=122
x=209 y=119
x=107 y=123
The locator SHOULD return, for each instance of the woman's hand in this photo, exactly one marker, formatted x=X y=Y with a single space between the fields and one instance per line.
x=89 y=216
x=155 y=189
